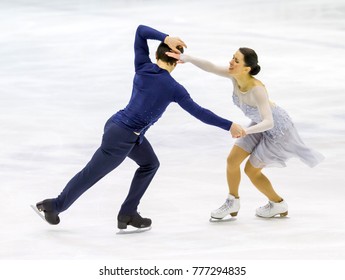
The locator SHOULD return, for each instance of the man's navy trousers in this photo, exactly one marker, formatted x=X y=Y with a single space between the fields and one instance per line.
x=117 y=144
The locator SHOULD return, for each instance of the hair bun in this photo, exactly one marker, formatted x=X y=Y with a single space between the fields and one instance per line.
x=255 y=70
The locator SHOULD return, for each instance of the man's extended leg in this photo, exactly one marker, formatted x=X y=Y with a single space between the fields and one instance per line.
x=116 y=144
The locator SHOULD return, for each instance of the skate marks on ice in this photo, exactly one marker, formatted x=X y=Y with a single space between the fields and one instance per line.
x=133 y=230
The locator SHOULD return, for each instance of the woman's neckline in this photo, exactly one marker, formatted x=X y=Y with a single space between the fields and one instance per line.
x=245 y=92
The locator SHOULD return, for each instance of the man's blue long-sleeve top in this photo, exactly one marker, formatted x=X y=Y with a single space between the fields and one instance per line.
x=154 y=89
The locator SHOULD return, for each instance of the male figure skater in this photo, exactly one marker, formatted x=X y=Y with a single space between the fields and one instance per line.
x=124 y=133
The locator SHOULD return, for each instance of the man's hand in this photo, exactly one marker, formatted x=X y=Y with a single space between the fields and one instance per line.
x=173 y=42
x=237 y=131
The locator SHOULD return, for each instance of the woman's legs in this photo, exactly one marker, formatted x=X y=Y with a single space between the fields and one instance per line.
x=233 y=173
x=232 y=204
x=261 y=182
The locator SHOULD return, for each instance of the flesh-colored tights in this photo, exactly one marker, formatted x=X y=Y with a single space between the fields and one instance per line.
x=233 y=174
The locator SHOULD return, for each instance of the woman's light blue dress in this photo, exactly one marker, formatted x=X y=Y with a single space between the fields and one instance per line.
x=274 y=147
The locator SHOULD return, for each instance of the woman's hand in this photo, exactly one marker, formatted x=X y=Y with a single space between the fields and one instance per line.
x=237 y=131
x=176 y=56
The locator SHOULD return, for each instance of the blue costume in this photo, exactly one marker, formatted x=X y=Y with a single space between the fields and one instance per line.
x=124 y=133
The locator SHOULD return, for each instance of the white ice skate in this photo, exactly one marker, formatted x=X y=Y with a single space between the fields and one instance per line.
x=272 y=209
x=230 y=207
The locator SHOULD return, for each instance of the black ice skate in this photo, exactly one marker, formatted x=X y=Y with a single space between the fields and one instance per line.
x=142 y=224
x=46 y=206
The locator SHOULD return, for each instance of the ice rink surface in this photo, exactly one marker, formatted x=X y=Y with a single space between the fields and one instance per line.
x=66 y=66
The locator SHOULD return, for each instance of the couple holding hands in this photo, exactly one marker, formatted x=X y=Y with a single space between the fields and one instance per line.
x=270 y=140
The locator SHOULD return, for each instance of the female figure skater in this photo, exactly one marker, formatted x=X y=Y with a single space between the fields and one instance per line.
x=270 y=140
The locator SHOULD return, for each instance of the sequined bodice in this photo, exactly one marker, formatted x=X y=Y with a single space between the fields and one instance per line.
x=282 y=121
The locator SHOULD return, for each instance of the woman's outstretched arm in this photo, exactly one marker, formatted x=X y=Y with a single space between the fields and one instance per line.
x=202 y=64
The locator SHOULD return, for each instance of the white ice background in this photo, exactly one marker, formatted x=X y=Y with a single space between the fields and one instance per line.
x=66 y=66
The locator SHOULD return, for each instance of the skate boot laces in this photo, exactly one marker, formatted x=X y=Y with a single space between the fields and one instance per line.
x=226 y=206
x=268 y=206
x=229 y=207
x=272 y=209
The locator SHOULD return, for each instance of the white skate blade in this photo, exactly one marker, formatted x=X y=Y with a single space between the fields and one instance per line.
x=276 y=216
x=226 y=220
x=38 y=213
x=133 y=230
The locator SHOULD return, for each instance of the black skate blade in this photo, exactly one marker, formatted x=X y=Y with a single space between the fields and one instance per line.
x=39 y=213
x=214 y=220
x=133 y=231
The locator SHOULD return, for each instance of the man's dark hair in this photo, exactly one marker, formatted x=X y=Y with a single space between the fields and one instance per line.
x=162 y=49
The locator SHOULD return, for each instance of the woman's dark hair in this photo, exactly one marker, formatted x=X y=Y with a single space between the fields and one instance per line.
x=162 y=49
x=251 y=60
